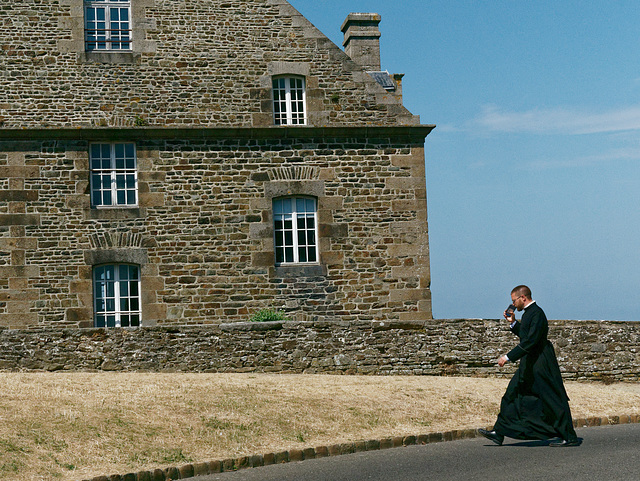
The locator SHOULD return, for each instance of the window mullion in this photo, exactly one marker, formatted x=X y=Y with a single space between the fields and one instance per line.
x=108 y=32
x=288 y=102
x=294 y=215
x=113 y=174
x=116 y=295
x=316 y=232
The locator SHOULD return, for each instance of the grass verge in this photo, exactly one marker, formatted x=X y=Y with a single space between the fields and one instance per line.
x=71 y=426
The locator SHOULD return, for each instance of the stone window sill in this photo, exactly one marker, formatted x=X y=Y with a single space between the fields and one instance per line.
x=116 y=213
x=111 y=57
x=301 y=270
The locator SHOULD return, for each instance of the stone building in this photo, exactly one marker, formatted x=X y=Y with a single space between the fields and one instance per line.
x=190 y=162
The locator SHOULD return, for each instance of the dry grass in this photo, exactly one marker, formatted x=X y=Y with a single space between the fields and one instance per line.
x=73 y=426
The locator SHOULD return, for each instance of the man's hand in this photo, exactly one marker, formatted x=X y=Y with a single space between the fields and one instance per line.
x=502 y=361
x=511 y=317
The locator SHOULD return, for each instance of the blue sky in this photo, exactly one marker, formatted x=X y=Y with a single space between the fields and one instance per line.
x=533 y=170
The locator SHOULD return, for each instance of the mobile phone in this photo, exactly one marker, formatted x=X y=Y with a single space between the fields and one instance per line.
x=511 y=309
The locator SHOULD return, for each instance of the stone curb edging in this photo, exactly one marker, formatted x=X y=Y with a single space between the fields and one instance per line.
x=243 y=462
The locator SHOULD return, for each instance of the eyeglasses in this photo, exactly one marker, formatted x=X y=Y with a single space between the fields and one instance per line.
x=514 y=300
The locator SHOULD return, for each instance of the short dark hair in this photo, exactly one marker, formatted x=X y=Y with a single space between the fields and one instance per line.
x=522 y=290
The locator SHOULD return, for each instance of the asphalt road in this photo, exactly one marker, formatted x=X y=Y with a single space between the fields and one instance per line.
x=606 y=453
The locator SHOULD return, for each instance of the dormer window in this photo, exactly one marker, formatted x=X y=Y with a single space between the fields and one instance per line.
x=289 y=101
x=107 y=25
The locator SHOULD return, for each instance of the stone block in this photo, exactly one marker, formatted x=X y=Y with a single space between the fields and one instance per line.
x=201 y=469
x=322 y=451
x=18 y=195
x=295 y=455
x=20 y=171
x=404 y=295
x=19 y=219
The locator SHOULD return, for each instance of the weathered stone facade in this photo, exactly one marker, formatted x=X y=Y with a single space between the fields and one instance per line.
x=195 y=96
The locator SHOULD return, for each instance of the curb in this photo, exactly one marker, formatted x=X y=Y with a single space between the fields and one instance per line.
x=293 y=455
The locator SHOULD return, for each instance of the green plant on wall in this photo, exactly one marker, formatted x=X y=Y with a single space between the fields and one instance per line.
x=140 y=121
x=268 y=315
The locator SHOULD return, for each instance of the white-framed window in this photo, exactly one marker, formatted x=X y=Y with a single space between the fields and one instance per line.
x=116 y=295
x=295 y=222
x=107 y=25
x=114 y=174
x=289 y=101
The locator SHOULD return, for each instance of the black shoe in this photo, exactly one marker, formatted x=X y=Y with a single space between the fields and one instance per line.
x=564 y=443
x=492 y=436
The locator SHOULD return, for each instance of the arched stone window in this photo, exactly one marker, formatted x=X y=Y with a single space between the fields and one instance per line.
x=116 y=295
x=295 y=230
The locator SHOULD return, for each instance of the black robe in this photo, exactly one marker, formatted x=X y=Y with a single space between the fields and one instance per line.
x=535 y=405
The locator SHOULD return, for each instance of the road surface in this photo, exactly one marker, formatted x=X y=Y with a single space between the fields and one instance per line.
x=606 y=453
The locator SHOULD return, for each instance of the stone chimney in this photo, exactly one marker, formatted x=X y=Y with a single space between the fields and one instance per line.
x=362 y=39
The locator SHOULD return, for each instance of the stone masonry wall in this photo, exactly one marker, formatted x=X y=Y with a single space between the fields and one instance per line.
x=203 y=230
x=194 y=62
x=596 y=350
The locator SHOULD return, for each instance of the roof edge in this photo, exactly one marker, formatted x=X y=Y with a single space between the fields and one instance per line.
x=206 y=133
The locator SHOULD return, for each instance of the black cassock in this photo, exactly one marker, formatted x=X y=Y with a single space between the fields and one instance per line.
x=535 y=405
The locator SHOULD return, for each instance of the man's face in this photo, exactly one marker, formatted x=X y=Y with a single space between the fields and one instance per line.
x=517 y=301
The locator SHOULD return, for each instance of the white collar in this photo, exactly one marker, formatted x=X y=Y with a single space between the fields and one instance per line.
x=532 y=302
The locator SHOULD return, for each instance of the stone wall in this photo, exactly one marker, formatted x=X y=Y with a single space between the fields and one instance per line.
x=202 y=232
x=596 y=350
x=194 y=62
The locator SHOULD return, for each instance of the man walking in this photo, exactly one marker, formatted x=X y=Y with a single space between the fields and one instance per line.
x=535 y=404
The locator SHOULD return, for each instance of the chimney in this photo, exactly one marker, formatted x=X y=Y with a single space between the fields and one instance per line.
x=362 y=39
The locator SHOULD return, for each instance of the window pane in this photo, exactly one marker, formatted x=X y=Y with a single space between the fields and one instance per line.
x=129 y=150
x=109 y=272
x=119 y=151
x=310 y=205
x=288 y=254
x=130 y=181
x=100 y=305
x=111 y=305
x=133 y=288
x=120 y=181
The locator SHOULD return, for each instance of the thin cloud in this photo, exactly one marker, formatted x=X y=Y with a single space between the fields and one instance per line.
x=558 y=121
x=617 y=155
